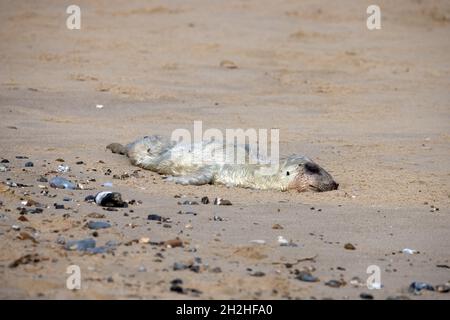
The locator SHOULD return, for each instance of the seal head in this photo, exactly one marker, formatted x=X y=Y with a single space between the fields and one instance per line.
x=308 y=175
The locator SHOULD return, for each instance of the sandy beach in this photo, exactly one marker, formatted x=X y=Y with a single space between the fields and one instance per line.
x=371 y=107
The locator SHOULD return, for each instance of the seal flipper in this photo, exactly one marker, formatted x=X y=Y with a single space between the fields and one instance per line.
x=117 y=148
x=197 y=178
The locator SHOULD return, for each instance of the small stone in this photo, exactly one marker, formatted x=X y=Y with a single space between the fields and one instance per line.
x=179 y=266
x=29 y=164
x=142 y=269
x=366 y=296
x=416 y=287
x=26 y=236
x=173 y=243
x=277 y=226
x=110 y=199
x=349 y=246
x=306 y=277
x=154 y=217
x=228 y=64
x=63 y=168
x=443 y=288
x=205 y=200
x=61 y=183
x=80 y=245
x=95 y=225
x=58 y=206
x=188 y=203
x=144 y=240
x=96 y=215
x=187 y=212
x=334 y=283
x=258 y=274
x=222 y=202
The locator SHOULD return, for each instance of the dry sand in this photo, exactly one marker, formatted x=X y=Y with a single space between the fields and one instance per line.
x=372 y=107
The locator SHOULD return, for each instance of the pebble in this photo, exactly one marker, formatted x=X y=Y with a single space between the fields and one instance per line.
x=366 y=296
x=349 y=246
x=61 y=183
x=205 y=200
x=217 y=218
x=334 y=283
x=63 y=168
x=187 y=212
x=258 y=274
x=443 y=288
x=228 y=64
x=277 y=226
x=58 y=206
x=216 y=270
x=110 y=199
x=222 y=202
x=173 y=243
x=154 y=217
x=258 y=241
x=29 y=164
x=306 y=277
x=80 y=245
x=409 y=251
x=61 y=240
x=96 y=215
x=188 y=203
x=142 y=269
x=3 y=169
x=95 y=225
x=416 y=287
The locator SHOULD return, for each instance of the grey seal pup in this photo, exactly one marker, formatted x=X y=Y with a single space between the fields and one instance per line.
x=177 y=161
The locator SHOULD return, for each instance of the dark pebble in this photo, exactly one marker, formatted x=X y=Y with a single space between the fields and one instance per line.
x=306 y=277
x=417 y=286
x=205 y=200
x=366 y=296
x=154 y=217
x=110 y=199
x=29 y=164
x=334 y=283
x=95 y=225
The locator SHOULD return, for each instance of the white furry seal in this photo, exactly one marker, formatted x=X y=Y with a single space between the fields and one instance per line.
x=176 y=161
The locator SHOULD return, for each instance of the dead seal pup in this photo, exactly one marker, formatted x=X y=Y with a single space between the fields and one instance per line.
x=177 y=162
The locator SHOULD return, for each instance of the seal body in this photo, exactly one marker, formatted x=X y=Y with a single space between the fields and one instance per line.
x=208 y=162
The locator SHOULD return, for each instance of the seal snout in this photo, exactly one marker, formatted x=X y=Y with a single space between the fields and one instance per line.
x=319 y=179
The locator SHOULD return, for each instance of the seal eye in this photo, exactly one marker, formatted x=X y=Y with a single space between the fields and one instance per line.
x=287 y=173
